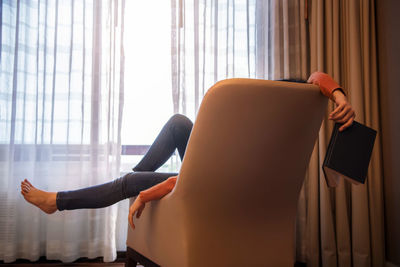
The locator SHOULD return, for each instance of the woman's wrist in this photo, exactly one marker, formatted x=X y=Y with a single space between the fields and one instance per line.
x=139 y=199
x=338 y=95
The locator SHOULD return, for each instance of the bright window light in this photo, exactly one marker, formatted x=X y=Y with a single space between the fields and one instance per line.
x=148 y=94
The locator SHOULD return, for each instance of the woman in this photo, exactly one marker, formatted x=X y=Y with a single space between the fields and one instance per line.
x=149 y=185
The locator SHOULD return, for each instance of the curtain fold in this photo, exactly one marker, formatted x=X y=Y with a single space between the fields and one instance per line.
x=61 y=109
x=281 y=43
x=213 y=40
x=344 y=226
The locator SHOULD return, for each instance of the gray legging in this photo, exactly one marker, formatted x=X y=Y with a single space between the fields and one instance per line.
x=174 y=135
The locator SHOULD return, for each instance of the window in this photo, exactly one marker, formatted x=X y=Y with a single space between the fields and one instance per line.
x=148 y=94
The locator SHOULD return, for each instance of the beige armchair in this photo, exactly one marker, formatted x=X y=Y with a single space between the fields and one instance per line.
x=235 y=200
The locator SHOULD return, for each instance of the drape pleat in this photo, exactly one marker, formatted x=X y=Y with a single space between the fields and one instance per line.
x=344 y=225
x=213 y=40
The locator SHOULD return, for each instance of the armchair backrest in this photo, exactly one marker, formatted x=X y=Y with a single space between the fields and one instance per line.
x=244 y=167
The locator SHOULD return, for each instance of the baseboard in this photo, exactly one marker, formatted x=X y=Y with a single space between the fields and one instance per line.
x=389 y=264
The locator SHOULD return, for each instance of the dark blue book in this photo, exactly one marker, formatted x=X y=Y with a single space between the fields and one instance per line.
x=348 y=154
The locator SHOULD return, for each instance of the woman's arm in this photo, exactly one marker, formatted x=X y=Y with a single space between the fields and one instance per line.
x=153 y=193
x=343 y=113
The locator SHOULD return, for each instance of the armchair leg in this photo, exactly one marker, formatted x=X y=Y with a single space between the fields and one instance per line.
x=130 y=263
x=130 y=260
x=133 y=258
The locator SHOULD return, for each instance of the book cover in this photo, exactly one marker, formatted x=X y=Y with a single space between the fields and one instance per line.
x=348 y=154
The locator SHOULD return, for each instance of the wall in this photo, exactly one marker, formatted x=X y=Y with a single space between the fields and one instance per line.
x=388 y=25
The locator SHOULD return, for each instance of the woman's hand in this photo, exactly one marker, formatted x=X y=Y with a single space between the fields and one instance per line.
x=343 y=112
x=137 y=206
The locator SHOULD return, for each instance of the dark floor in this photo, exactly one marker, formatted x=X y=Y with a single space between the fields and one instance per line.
x=119 y=262
x=83 y=263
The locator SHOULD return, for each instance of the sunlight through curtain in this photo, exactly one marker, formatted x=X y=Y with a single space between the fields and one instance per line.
x=213 y=40
x=61 y=97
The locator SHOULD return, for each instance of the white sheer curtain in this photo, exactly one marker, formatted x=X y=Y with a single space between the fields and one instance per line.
x=218 y=39
x=61 y=97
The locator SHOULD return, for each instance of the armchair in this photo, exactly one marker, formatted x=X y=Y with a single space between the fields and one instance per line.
x=235 y=200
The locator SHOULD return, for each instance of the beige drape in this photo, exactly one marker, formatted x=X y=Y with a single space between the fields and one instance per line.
x=281 y=51
x=343 y=226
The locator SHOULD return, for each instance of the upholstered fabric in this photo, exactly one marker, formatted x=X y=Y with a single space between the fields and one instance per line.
x=235 y=200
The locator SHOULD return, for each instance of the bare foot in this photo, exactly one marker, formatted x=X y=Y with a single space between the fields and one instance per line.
x=46 y=201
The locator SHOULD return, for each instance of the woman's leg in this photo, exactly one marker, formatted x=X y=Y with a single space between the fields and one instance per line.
x=93 y=197
x=174 y=135
x=104 y=195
